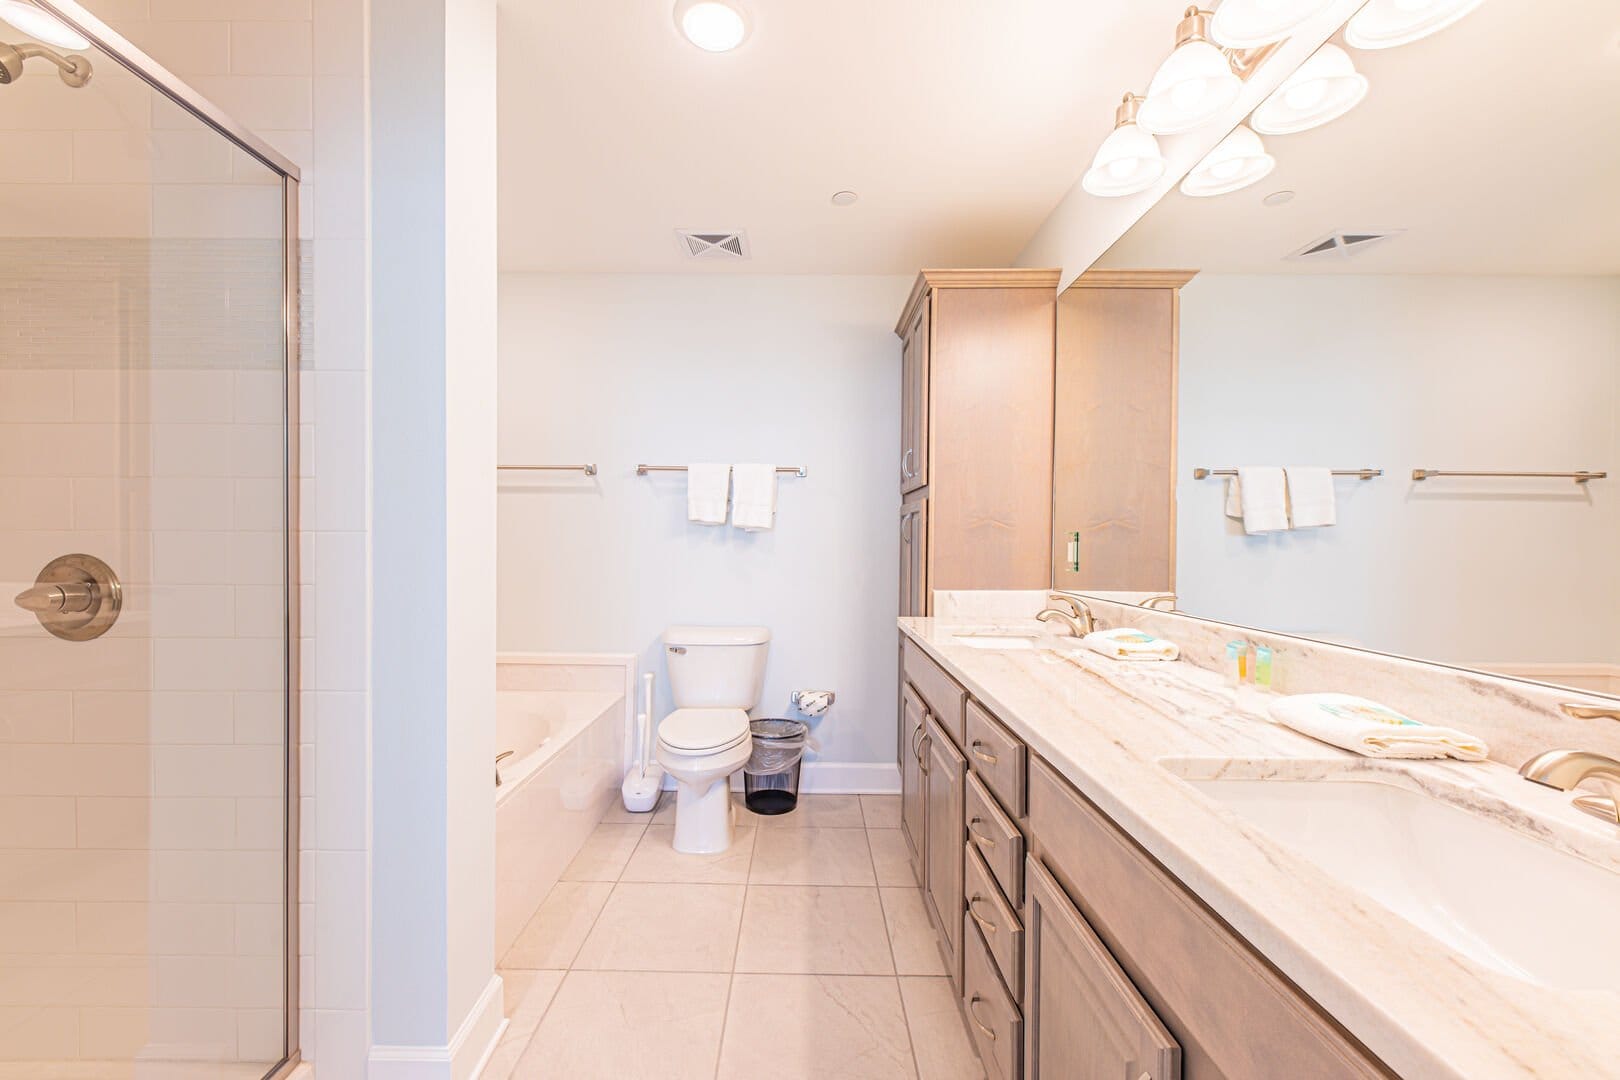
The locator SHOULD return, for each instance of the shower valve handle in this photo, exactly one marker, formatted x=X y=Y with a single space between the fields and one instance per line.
x=67 y=598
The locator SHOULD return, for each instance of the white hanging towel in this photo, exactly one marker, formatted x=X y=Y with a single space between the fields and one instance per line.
x=1262 y=494
x=754 y=508
x=1373 y=730
x=1311 y=501
x=707 y=487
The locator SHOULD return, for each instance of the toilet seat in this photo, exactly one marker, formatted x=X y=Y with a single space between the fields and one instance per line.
x=703 y=731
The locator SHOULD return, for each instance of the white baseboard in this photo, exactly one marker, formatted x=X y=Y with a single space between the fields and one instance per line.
x=459 y=1059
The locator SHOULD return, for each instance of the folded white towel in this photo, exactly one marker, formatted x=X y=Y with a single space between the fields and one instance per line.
x=1262 y=492
x=1311 y=501
x=1371 y=729
x=1124 y=643
x=754 y=508
x=707 y=488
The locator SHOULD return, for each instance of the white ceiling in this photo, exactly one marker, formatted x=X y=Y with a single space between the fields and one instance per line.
x=961 y=123
x=1495 y=144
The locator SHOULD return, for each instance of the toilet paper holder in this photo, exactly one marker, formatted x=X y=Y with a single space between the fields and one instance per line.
x=821 y=700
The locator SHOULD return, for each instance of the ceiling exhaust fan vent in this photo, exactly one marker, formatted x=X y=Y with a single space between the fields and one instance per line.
x=1345 y=245
x=712 y=245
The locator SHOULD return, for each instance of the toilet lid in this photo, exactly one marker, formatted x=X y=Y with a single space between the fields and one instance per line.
x=703 y=729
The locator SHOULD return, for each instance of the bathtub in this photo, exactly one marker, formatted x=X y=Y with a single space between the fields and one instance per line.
x=566 y=720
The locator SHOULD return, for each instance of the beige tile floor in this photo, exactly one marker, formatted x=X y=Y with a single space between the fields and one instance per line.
x=803 y=953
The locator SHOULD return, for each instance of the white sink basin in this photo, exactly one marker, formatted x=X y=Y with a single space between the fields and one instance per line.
x=997 y=641
x=1492 y=894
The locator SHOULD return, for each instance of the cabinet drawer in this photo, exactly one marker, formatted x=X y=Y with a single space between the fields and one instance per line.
x=1233 y=1013
x=938 y=690
x=997 y=755
x=993 y=1017
x=994 y=836
x=997 y=921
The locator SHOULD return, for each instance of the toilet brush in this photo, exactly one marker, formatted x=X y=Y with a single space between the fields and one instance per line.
x=646 y=777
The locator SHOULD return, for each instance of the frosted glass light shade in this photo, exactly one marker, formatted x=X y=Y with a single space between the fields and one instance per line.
x=712 y=25
x=1324 y=88
x=1247 y=24
x=1192 y=86
x=1239 y=160
x=41 y=25
x=1384 y=24
x=1128 y=161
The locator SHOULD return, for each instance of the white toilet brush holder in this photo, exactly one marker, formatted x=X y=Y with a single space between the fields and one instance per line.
x=645 y=780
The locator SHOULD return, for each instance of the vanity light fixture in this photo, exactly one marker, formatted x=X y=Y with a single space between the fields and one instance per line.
x=38 y=23
x=1239 y=160
x=712 y=25
x=1129 y=160
x=1244 y=24
x=1384 y=24
x=1323 y=89
x=1193 y=84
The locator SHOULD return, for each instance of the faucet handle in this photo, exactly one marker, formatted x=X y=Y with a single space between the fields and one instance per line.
x=1590 y=712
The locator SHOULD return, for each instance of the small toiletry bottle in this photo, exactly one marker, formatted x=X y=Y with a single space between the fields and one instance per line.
x=1248 y=673
x=1262 y=666
x=1237 y=653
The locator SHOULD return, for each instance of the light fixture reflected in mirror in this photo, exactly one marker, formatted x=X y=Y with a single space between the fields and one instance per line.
x=1194 y=83
x=1244 y=24
x=1384 y=24
x=1324 y=88
x=1239 y=160
x=1129 y=160
x=40 y=24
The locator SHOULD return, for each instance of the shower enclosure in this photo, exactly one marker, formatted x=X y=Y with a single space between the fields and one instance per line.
x=148 y=557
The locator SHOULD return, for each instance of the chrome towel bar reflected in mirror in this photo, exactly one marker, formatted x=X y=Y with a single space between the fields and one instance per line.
x=642 y=470
x=1580 y=476
x=588 y=470
x=1361 y=474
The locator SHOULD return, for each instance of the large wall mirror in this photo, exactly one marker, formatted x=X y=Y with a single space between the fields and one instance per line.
x=1429 y=282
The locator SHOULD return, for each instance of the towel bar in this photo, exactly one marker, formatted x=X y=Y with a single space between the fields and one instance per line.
x=1364 y=474
x=588 y=470
x=643 y=470
x=1580 y=476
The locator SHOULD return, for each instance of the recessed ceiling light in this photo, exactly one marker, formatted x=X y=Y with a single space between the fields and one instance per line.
x=845 y=198
x=712 y=25
x=39 y=23
x=1384 y=24
x=1278 y=198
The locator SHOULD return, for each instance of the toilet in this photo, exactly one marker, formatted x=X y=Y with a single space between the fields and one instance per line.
x=716 y=674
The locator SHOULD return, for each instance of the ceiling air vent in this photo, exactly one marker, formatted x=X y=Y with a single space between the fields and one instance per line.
x=1344 y=245
x=712 y=245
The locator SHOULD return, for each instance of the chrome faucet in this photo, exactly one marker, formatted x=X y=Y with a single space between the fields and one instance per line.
x=502 y=756
x=1562 y=770
x=1078 y=618
x=1152 y=603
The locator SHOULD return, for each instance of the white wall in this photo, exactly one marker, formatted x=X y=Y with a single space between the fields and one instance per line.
x=673 y=369
x=1493 y=373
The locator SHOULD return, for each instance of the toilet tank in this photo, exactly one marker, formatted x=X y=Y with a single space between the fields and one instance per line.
x=716 y=667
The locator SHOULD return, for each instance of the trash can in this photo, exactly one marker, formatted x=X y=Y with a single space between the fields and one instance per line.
x=771 y=777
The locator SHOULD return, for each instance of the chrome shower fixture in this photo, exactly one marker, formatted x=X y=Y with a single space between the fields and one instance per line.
x=74 y=68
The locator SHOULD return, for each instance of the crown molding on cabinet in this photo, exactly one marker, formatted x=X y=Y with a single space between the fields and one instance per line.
x=1011 y=278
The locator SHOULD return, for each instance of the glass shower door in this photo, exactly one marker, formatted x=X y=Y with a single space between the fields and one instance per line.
x=145 y=654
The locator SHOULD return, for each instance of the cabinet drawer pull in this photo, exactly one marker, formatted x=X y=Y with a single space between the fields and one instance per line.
x=973 y=1015
x=984 y=924
x=978 y=837
x=988 y=759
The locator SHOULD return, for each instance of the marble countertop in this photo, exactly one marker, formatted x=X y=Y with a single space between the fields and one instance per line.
x=1425 y=1010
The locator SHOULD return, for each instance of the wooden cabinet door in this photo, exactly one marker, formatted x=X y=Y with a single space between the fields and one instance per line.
x=1084 y=1020
x=913 y=808
x=914 y=402
x=914 y=557
x=946 y=782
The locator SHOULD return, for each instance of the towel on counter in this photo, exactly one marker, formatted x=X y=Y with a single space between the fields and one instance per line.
x=707 y=488
x=1311 y=502
x=1372 y=730
x=754 y=508
x=1123 y=643
x=1259 y=495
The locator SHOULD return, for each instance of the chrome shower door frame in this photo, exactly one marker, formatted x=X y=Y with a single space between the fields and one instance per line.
x=172 y=87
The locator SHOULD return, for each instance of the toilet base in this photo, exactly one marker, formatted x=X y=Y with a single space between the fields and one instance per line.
x=704 y=817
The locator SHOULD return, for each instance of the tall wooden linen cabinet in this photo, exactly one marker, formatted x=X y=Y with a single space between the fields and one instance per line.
x=976 y=432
